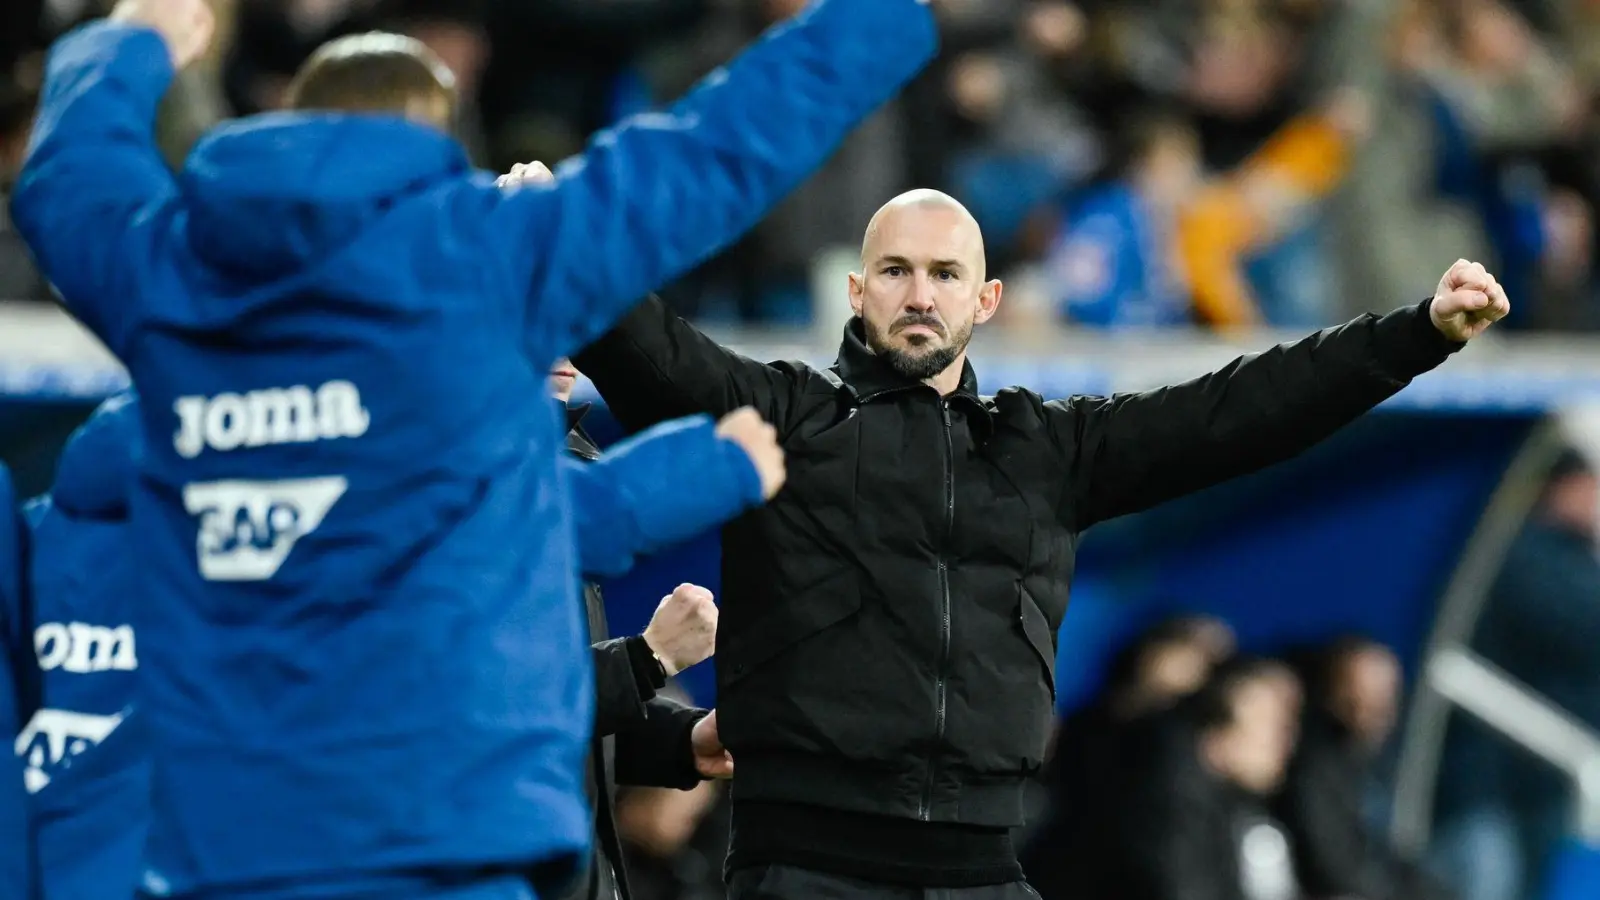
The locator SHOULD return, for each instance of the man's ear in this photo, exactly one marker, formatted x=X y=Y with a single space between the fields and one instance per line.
x=988 y=301
x=858 y=292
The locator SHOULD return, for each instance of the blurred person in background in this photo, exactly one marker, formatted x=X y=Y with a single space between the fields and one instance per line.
x=1353 y=689
x=1197 y=825
x=1101 y=746
x=561 y=70
x=1500 y=809
x=675 y=840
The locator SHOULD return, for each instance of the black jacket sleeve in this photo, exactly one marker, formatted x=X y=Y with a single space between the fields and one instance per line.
x=656 y=750
x=626 y=678
x=1132 y=451
x=653 y=366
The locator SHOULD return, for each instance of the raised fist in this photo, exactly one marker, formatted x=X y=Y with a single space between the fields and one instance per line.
x=1467 y=301
x=186 y=25
x=759 y=441
x=683 y=631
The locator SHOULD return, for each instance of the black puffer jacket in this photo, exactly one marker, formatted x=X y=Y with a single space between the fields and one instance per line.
x=887 y=633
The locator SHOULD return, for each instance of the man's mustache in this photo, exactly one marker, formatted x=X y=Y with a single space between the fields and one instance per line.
x=915 y=319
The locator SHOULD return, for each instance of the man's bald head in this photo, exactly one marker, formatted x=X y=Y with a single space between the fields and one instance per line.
x=922 y=285
x=925 y=200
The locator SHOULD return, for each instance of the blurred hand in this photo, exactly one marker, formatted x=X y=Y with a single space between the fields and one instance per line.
x=711 y=759
x=525 y=173
x=759 y=441
x=186 y=25
x=1467 y=301
x=683 y=631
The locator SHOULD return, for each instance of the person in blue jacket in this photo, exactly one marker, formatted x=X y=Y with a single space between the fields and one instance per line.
x=16 y=847
x=84 y=757
x=364 y=659
x=83 y=747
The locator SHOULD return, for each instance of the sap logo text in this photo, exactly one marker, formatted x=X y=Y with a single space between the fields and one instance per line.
x=291 y=415
x=54 y=738
x=81 y=648
x=247 y=528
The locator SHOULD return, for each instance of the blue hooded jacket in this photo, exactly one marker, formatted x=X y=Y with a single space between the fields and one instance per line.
x=85 y=757
x=362 y=646
x=16 y=845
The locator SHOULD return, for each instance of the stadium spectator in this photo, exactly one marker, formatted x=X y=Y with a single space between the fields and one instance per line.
x=1501 y=811
x=916 y=569
x=273 y=271
x=675 y=840
x=1100 y=747
x=1197 y=824
x=1353 y=693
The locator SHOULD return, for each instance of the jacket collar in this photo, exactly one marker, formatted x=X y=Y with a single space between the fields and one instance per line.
x=578 y=441
x=868 y=376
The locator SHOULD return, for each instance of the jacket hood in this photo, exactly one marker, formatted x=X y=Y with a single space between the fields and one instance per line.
x=269 y=196
x=99 y=462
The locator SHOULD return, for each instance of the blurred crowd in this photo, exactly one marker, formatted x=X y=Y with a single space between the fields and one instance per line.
x=1134 y=163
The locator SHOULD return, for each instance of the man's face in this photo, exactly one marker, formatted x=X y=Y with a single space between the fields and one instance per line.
x=1366 y=696
x=922 y=288
x=1254 y=751
x=563 y=375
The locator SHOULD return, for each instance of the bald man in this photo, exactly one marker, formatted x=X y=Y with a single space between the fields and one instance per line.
x=886 y=644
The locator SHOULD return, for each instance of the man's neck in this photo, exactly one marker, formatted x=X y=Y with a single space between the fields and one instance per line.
x=948 y=381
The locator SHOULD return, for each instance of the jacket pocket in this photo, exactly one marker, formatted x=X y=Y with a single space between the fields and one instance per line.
x=831 y=601
x=1036 y=628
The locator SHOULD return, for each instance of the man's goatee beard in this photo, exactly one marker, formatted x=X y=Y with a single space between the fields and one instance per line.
x=918 y=367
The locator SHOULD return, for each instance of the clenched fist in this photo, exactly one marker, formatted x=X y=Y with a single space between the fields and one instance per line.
x=186 y=25
x=711 y=759
x=525 y=173
x=1467 y=302
x=683 y=631
x=759 y=441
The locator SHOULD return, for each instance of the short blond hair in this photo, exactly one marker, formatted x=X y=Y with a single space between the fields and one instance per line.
x=376 y=72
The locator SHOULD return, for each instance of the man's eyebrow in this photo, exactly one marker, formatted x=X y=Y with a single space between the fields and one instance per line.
x=936 y=264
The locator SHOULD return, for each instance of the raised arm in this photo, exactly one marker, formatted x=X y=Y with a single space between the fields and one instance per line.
x=87 y=198
x=657 y=489
x=653 y=198
x=654 y=366
x=1131 y=451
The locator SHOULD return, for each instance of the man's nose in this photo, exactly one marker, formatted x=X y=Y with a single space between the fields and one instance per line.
x=921 y=299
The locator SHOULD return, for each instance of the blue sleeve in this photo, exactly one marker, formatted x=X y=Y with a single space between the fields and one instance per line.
x=93 y=173
x=653 y=198
x=16 y=839
x=659 y=488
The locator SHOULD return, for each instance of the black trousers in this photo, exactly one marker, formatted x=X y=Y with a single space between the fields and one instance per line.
x=791 y=883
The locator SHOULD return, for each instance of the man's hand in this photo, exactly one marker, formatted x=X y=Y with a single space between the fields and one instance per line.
x=683 y=630
x=759 y=440
x=525 y=173
x=186 y=25
x=1467 y=302
x=711 y=759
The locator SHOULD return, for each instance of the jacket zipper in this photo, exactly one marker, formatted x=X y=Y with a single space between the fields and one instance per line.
x=926 y=811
